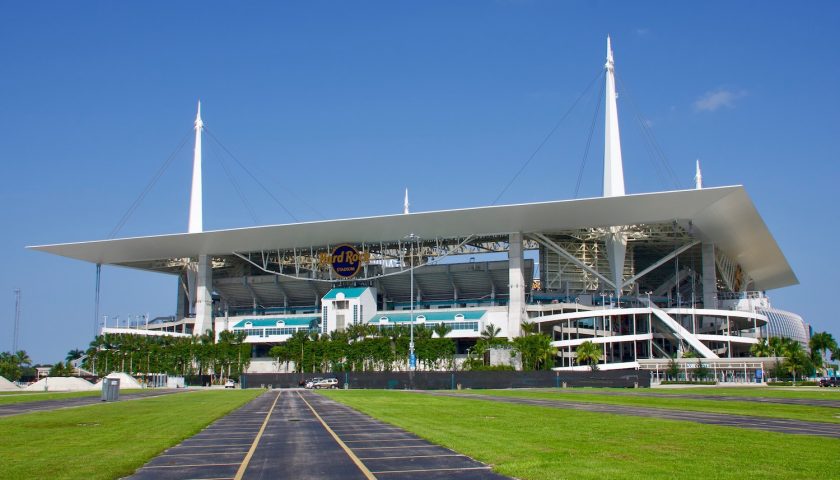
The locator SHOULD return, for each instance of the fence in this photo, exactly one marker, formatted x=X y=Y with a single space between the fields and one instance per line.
x=454 y=380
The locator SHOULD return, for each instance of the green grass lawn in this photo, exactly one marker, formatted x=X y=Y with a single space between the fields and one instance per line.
x=775 y=410
x=772 y=392
x=531 y=442
x=107 y=440
x=23 y=397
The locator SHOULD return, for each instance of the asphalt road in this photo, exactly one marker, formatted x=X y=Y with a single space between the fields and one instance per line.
x=55 y=404
x=301 y=435
x=780 y=425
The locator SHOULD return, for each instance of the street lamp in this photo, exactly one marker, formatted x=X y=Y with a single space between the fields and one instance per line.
x=412 y=360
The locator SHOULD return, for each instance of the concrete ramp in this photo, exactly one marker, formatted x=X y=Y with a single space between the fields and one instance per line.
x=684 y=334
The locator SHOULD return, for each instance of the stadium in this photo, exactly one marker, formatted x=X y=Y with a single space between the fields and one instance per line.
x=646 y=277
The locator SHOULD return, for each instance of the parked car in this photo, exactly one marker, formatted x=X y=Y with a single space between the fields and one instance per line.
x=230 y=384
x=311 y=382
x=829 y=382
x=325 y=383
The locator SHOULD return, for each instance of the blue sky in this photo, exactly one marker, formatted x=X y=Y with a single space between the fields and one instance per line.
x=338 y=106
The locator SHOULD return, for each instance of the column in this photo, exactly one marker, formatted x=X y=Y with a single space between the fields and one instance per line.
x=203 y=300
x=516 y=286
x=709 y=275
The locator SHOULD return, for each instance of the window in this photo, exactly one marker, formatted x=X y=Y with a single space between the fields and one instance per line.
x=254 y=332
x=341 y=304
x=355 y=314
x=280 y=331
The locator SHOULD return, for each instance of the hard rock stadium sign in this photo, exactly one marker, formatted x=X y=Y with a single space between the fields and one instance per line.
x=345 y=260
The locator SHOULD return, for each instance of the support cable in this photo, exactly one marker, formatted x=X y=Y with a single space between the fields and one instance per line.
x=149 y=186
x=648 y=136
x=589 y=140
x=547 y=137
x=235 y=184
x=253 y=177
x=273 y=197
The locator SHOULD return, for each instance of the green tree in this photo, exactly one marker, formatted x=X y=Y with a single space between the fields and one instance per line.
x=589 y=353
x=74 y=354
x=689 y=353
x=9 y=366
x=820 y=344
x=760 y=349
x=441 y=330
x=796 y=360
x=22 y=358
x=673 y=370
x=61 y=370
x=702 y=371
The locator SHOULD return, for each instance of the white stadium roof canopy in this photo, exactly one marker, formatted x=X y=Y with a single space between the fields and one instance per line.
x=724 y=216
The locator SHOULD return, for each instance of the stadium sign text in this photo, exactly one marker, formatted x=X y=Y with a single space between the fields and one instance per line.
x=345 y=260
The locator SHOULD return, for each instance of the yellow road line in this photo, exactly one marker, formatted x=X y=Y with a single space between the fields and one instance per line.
x=346 y=449
x=244 y=465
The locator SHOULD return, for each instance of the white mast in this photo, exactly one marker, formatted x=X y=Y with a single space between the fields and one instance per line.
x=616 y=239
x=200 y=273
x=405 y=203
x=613 y=169
x=698 y=177
x=196 y=224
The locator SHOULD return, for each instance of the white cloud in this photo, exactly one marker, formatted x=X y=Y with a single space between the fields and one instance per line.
x=717 y=99
x=642 y=31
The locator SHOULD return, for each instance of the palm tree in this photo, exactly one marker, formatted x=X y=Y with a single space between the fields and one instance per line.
x=760 y=349
x=9 y=366
x=490 y=334
x=777 y=346
x=796 y=359
x=23 y=358
x=528 y=327
x=588 y=352
x=819 y=344
x=442 y=330
x=74 y=354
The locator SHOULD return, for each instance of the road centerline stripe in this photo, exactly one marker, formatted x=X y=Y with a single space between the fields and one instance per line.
x=244 y=465
x=367 y=473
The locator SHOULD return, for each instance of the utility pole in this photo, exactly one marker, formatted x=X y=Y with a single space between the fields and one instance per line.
x=16 y=335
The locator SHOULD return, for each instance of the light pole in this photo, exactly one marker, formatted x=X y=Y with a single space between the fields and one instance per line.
x=412 y=360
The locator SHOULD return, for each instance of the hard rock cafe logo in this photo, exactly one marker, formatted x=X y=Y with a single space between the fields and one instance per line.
x=345 y=260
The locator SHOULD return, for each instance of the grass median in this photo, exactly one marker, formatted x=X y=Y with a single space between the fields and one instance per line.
x=24 y=397
x=107 y=440
x=809 y=393
x=537 y=443
x=732 y=407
